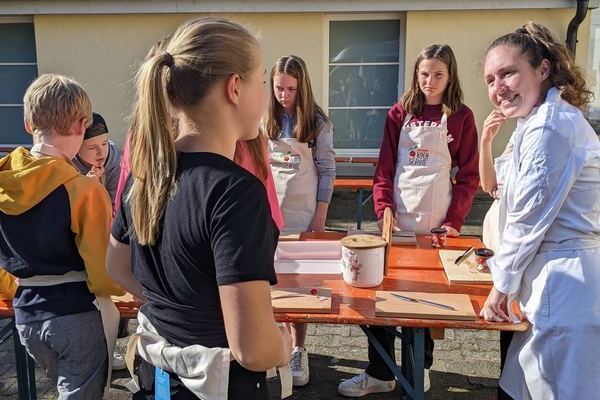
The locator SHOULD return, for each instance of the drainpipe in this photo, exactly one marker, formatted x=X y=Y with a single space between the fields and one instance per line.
x=582 y=7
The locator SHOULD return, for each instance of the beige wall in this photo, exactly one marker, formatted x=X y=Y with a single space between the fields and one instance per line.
x=103 y=51
x=469 y=33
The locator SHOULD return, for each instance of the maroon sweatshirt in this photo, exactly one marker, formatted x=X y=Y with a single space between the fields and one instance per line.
x=463 y=150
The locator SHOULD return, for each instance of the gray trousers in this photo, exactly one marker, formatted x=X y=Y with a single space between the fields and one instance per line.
x=72 y=351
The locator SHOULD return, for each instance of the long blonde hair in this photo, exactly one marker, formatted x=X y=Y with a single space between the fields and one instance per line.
x=308 y=111
x=537 y=43
x=199 y=54
x=413 y=100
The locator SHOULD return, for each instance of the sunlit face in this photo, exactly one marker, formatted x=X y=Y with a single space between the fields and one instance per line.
x=255 y=100
x=94 y=151
x=514 y=86
x=433 y=78
x=285 y=90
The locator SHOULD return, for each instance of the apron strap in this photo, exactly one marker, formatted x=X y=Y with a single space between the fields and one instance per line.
x=407 y=119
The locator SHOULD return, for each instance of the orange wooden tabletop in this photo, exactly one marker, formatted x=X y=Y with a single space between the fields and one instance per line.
x=423 y=256
x=412 y=269
x=353 y=183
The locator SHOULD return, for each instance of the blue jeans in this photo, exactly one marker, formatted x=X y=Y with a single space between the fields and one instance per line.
x=72 y=351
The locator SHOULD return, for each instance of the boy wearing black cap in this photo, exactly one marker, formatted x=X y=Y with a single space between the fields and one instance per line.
x=98 y=157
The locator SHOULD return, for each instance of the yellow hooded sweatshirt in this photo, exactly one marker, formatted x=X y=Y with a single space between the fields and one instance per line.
x=53 y=220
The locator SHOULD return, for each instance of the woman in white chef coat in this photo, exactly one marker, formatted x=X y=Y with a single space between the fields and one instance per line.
x=549 y=255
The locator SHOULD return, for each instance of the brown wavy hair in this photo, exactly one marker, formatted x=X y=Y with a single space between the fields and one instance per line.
x=413 y=100
x=204 y=52
x=537 y=43
x=308 y=111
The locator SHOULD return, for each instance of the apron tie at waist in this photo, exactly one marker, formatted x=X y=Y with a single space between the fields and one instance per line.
x=203 y=370
x=52 y=280
x=572 y=244
x=108 y=311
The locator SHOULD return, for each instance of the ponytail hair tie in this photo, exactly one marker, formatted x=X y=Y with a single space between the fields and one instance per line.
x=167 y=59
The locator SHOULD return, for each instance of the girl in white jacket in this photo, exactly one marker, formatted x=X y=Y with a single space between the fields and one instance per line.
x=549 y=256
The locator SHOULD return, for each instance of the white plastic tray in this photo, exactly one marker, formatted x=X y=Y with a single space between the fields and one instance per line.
x=311 y=257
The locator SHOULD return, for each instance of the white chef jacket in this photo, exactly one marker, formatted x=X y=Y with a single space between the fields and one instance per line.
x=550 y=254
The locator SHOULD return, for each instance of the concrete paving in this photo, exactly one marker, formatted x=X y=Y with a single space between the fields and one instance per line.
x=466 y=363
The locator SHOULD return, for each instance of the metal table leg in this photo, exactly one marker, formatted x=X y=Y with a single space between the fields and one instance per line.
x=405 y=385
x=359 y=209
x=25 y=369
x=411 y=374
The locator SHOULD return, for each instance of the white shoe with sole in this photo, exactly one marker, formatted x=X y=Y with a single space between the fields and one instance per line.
x=363 y=384
x=118 y=362
x=426 y=381
x=299 y=366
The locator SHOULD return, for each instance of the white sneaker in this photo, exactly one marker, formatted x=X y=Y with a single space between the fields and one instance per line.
x=118 y=362
x=426 y=381
x=299 y=366
x=363 y=384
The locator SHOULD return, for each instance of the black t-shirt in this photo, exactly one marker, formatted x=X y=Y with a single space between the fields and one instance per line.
x=217 y=230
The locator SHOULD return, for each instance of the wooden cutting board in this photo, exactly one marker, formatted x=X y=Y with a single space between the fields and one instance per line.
x=466 y=271
x=389 y=306
x=301 y=300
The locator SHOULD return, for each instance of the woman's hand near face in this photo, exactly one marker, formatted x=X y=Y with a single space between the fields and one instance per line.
x=491 y=126
x=487 y=172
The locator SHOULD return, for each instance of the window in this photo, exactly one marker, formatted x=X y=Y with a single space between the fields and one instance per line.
x=365 y=78
x=18 y=68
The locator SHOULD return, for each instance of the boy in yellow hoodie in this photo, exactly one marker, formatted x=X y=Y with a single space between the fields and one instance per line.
x=54 y=230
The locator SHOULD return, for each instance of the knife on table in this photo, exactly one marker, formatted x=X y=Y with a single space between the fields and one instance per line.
x=427 y=302
x=464 y=255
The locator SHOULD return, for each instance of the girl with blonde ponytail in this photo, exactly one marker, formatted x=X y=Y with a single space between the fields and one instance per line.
x=549 y=244
x=197 y=226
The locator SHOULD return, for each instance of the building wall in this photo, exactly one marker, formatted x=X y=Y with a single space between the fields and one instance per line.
x=103 y=51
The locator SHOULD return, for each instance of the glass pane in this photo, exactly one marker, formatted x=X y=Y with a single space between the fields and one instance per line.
x=358 y=129
x=11 y=126
x=361 y=86
x=364 y=41
x=14 y=80
x=17 y=43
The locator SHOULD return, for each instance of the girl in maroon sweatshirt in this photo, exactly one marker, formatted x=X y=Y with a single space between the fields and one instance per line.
x=428 y=135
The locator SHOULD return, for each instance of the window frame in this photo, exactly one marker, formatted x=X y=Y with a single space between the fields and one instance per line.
x=16 y=20
x=401 y=17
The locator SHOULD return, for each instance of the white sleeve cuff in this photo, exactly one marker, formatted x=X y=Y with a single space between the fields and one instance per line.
x=507 y=282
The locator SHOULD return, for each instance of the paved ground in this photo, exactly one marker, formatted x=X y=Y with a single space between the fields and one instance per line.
x=466 y=362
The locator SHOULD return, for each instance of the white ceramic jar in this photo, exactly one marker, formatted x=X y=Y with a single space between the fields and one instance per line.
x=363 y=258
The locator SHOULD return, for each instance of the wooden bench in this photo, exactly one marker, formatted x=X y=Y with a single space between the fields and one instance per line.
x=362 y=185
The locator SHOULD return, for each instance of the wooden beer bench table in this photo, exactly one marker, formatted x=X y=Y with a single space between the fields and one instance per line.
x=362 y=185
x=412 y=269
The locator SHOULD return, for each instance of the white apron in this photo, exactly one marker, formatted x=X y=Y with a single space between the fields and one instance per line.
x=108 y=311
x=296 y=181
x=422 y=186
x=558 y=357
x=203 y=370
x=491 y=222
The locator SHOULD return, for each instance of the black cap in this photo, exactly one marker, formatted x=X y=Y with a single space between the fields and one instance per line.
x=98 y=127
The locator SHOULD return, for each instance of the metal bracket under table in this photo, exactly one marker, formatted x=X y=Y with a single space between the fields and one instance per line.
x=411 y=373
